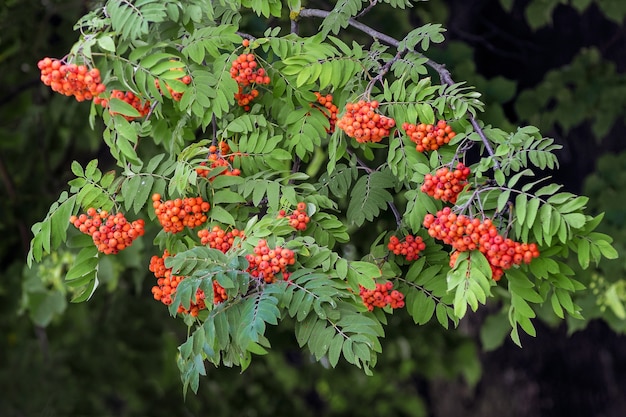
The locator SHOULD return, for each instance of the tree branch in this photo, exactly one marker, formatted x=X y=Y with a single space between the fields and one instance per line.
x=444 y=74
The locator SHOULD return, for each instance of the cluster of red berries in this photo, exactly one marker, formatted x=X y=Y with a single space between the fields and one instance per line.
x=70 y=79
x=267 y=263
x=382 y=296
x=221 y=157
x=429 y=137
x=167 y=283
x=142 y=106
x=111 y=233
x=465 y=234
x=299 y=218
x=174 y=215
x=410 y=247
x=246 y=71
x=326 y=106
x=219 y=239
x=176 y=96
x=245 y=98
x=361 y=122
x=446 y=185
x=219 y=293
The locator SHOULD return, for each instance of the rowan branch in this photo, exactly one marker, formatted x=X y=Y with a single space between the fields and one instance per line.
x=442 y=71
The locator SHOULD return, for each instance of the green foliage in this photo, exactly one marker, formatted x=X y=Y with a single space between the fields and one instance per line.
x=588 y=90
x=539 y=12
x=605 y=297
x=272 y=163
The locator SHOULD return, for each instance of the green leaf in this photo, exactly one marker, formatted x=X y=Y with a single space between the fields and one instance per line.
x=77 y=169
x=87 y=261
x=106 y=43
x=520 y=208
x=556 y=306
x=334 y=350
x=226 y=197
x=499 y=177
x=363 y=273
x=143 y=192
x=606 y=249
x=118 y=106
x=129 y=190
x=218 y=214
x=583 y=253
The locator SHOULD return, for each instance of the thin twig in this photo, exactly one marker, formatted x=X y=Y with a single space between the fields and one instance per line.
x=384 y=70
x=444 y=74
x=367 y=9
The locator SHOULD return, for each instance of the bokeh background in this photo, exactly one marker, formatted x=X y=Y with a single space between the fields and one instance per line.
x=559 y=65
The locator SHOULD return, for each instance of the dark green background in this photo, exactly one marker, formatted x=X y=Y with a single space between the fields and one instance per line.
x=562 y=70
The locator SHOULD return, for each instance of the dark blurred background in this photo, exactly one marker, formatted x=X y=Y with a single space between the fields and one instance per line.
x=561 y=67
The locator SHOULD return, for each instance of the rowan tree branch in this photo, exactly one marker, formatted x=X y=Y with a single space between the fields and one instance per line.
x=442 y=71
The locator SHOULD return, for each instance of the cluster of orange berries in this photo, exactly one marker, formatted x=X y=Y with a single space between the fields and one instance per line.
x=361 y=122
x=245 y=98
x=176 y=96
x=174 y=215
x=446 y=185
x=267 y=263
x=326 y=106
x=246 y=71
x=110 y=233
x=298 y=219
x=465 y=234
x=429 y=137
x=218 y=158
x=219 y=239
x=167 y=283
x=70 y=79
x=410 y=247
x=219 y=293
x=142 y=106
x=382 y=296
